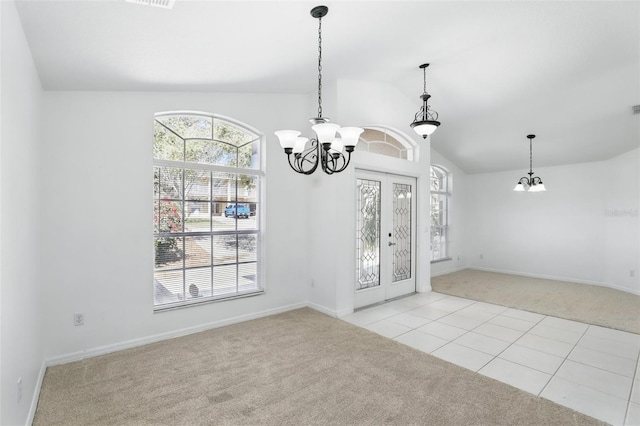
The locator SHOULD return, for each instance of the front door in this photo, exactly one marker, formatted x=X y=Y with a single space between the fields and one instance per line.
x=385 y=237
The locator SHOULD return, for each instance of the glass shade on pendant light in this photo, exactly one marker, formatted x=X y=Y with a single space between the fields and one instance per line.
x=537 y=187
x=326 y=132
x=425 y=128
x=350 y=135
x=300 y=143
x=287 y=138
x=337 y=145
x=519 y=187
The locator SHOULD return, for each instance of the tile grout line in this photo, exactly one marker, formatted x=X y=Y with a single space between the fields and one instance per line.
x=409 y=311
x=487 y=322
x=564 y=361
x=431 y=321
x=513 y=343
x=464 y=334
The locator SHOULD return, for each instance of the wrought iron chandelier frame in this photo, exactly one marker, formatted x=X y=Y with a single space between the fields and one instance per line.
x=425 y=118
x=533 y=182
x=333 y=155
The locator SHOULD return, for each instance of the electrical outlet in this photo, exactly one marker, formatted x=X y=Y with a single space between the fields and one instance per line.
x=481 y=256
x=313 y=284
x=632 y=273
x=19 y=389
x=78 y=319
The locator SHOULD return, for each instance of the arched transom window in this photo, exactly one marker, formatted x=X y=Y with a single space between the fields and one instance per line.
x=387 y=142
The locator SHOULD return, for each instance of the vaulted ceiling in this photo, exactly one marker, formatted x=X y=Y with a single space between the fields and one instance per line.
x=566 y=71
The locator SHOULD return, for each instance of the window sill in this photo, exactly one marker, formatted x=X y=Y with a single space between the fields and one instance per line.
x=179 y=305
x=444 y=259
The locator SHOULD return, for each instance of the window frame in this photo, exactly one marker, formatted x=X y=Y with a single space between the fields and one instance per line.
x=443 y=194
x=408 y=152
x=184 y=165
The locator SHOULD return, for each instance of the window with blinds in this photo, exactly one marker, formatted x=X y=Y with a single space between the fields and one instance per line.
x=207 y=179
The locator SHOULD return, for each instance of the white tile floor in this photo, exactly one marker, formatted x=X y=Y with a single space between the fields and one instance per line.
x=591 y=369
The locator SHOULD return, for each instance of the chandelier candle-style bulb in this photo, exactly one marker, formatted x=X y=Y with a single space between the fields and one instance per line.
x=335 y=154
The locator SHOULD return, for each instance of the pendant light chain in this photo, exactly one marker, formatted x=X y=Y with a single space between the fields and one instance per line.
x=530 y=156
x=320 y=67
x=424 y=71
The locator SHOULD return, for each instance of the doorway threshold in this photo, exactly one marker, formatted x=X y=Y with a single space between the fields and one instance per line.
x=404 y=296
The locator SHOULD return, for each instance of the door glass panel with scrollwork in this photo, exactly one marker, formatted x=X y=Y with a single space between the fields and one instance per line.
x=401 y=245
x=368 y=234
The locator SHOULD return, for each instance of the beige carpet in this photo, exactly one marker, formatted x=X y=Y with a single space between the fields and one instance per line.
x=581 y=302
x=296 y=368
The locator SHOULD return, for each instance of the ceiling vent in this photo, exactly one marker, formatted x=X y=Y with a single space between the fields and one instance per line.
x=164 y=4
x=636 y=109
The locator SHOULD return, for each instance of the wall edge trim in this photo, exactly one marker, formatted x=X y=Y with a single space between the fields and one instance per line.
x=552 y=277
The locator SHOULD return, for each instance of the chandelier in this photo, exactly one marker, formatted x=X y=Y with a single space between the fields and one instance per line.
x=426 y=120
x=331 y=152
x=534 y=183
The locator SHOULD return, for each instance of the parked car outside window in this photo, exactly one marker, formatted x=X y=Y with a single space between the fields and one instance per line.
x=237 y=210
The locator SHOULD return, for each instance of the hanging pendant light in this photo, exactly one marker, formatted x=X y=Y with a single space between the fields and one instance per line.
x=533 y=183
x=326 y=149
x=426 y=119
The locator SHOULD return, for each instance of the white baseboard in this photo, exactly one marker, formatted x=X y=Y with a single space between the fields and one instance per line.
x=36 y=394
x=102 y=350
x=551 y=277
x=331 y=312
x=343 y=312
x=323 y=309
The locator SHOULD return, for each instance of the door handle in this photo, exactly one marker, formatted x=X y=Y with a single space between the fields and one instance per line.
x=391 y=244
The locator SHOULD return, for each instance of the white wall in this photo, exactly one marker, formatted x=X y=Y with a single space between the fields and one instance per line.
x=21 y=310
x=622 y=221
x=457 y=218
x=96 y=187
x=564 y=233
